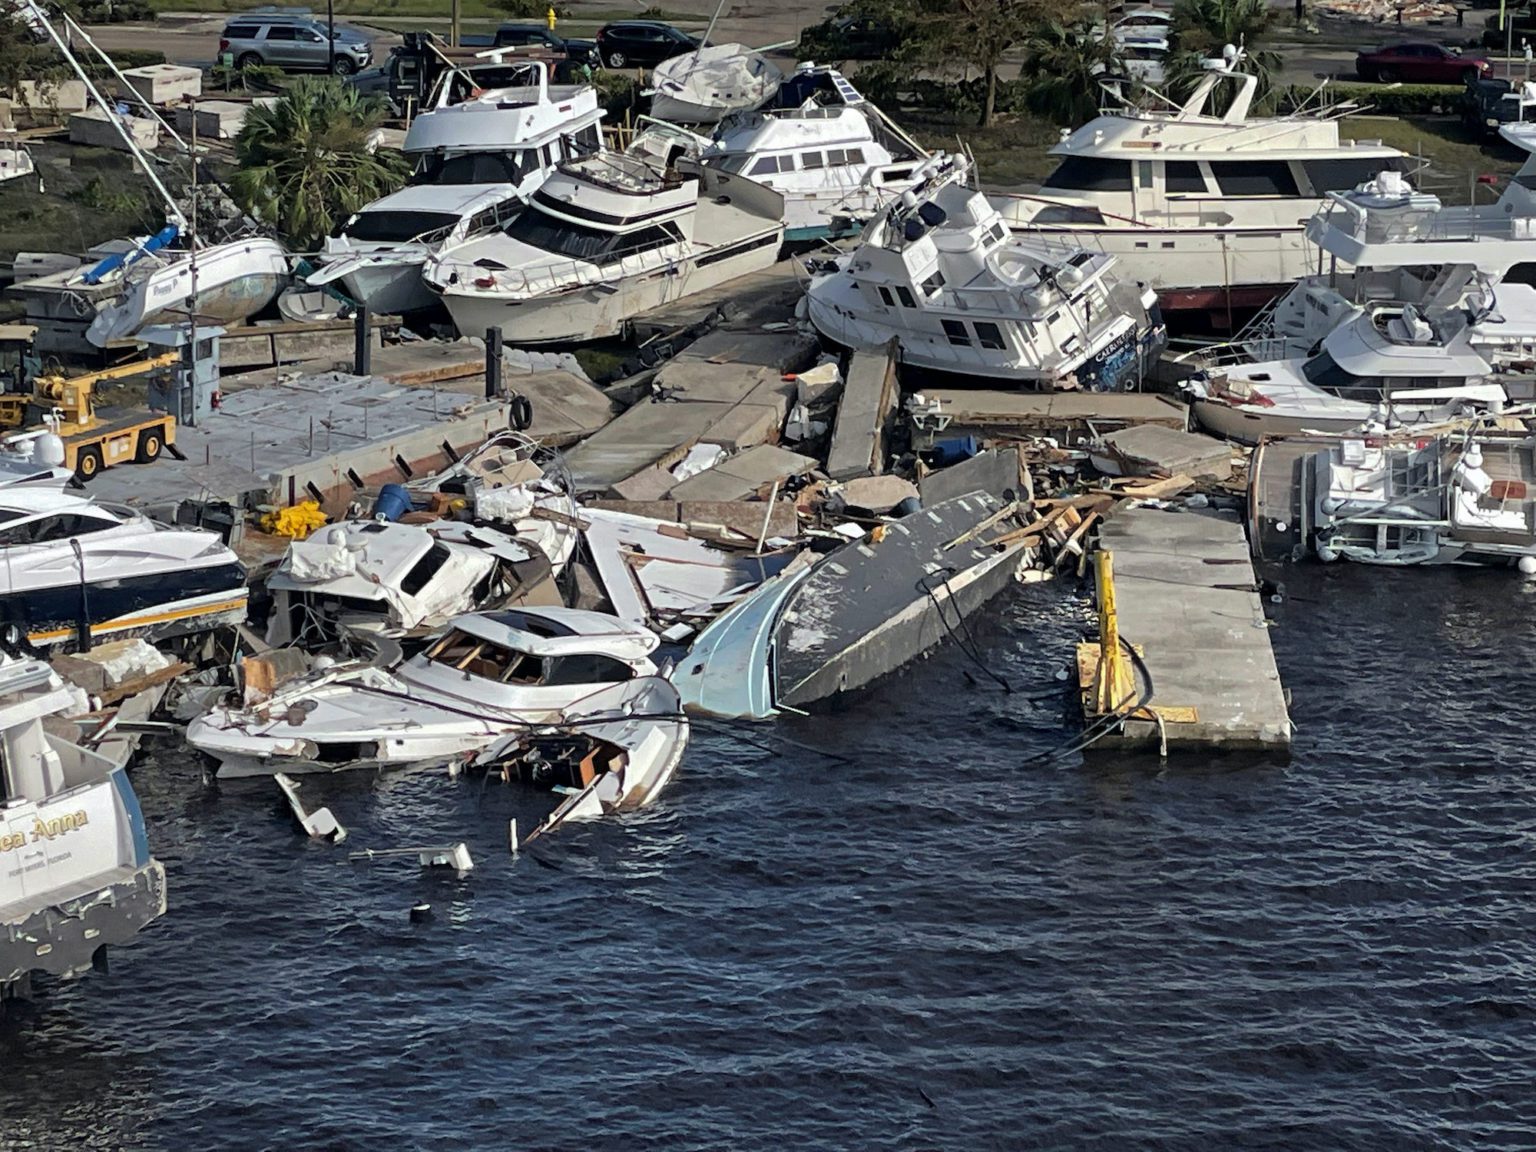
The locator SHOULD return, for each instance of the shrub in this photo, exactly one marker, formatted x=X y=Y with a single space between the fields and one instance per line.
x=1399 y=100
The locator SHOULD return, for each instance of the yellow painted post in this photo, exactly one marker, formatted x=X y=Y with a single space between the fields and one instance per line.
x=1112 y=683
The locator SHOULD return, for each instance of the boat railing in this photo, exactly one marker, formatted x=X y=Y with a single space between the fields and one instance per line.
x=553 y=276
x=1388 y=225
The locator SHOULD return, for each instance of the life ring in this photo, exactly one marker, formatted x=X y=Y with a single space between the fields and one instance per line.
x=520 y=410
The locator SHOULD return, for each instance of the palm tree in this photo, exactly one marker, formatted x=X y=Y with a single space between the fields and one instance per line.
x=1062 y=68
x=1203 y=28
x=307 y=162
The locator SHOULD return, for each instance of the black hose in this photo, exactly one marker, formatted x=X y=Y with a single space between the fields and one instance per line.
x=1107 y=723
x=968 y=642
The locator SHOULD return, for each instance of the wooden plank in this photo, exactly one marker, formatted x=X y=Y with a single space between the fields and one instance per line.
x=140 y=683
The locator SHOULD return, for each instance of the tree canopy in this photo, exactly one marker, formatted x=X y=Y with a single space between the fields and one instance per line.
x=306 y=163
x=1062 y=68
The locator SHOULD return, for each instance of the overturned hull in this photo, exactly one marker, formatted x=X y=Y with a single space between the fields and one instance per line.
x=876 y=604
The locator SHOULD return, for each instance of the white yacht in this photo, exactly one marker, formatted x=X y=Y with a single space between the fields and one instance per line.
x=940 y=273
x=711 y=82
x=68 y=563
x=1206 y=206
x=478 y=160
x=15 y=158
x=1467 y=497
x=1384 y=242
x=77 y=874
x=606 y=239
x=490 y=674
x=1389 y=365
x=399 y=579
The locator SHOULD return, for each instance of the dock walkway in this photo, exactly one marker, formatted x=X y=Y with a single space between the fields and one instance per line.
x=1187 y=598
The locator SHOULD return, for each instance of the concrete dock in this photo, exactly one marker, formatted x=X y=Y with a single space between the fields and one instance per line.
x=1187 y=598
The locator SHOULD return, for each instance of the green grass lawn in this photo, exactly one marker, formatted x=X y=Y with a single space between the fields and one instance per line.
x=1453 y=158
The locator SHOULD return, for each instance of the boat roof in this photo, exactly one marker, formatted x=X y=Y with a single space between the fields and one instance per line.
x=21 y=503
x=794 y=130
x=559 y=632
x=461 y=199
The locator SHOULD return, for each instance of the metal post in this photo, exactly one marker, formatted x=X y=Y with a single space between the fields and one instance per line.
x=362 y=346
x=1112 y=682
x=492 y=363
x=330 y=44
x=453 y=23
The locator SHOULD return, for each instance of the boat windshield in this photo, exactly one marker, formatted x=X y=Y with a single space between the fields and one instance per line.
x=475 y=168
x=734 y=162
x=578 y=242
x=389 y=225
x=488 y=661
x=1328 y=374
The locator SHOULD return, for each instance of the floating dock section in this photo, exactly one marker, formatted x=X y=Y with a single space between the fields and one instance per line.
x=1184 y=593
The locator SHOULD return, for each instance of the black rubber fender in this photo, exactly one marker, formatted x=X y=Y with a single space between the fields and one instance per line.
x=520 y=412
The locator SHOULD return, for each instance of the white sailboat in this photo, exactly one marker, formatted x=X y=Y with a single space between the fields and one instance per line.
x=711 y=82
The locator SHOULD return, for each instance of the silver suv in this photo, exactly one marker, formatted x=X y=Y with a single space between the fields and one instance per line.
x=292 y=41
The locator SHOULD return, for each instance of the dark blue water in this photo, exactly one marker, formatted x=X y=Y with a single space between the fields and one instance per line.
x=933 y=945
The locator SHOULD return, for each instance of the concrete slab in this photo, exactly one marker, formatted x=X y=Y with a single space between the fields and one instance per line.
x=217 y=119
x=1152 y=450
x=1187 y=596
x=994 y=472
x=93 y=128
x=162 y=83
x=869 y=398
x=743 y=475
x=743 y=304
x=743 y=516
x=1053 y=413
x=652 y=483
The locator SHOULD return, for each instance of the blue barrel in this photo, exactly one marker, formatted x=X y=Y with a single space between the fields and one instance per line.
x=947 y=452
x=393 y=502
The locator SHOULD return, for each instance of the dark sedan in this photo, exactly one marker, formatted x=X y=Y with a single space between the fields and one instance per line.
x=1419 y=64
x=641 y=43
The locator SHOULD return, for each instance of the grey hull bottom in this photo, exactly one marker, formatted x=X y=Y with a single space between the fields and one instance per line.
x=62 y=938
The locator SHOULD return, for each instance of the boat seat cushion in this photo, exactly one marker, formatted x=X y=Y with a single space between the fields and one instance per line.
x=1507 y=490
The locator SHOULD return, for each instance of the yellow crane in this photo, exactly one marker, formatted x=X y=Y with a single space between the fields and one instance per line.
x=93 y=440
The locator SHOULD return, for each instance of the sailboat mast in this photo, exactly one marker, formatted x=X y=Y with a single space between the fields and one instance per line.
x=174 y=213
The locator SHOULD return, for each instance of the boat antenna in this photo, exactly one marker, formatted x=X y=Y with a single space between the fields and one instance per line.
x=173 y=212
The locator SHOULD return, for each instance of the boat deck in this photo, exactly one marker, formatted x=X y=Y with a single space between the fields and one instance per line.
x=1187 y=597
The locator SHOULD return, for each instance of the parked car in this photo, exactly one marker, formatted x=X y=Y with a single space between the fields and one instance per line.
x=1419 y=64
x=520 y=35
x=294 y=42
x=850 y=38
x=641 y=43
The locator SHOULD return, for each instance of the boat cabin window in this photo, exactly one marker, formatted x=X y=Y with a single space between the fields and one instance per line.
x=387 y=225
x=1326 y=373
x=809 y=160
x=579 y=242
x=1183 y=176
x=955 y=331
x=767 y=165
x=934 y=284
x=586 y=668
x=905 y=297
x=885 y=294
x=1068 y=214
x=585 y=142
x=423 y=570
x=47 y=529
x=735 y=163
x=988 y=334
x=1144 y=173
x=470 y=654
x=475 y=168
x=836 y=156
x=1255 y=178
x=1342 y=175
x=1091 y=174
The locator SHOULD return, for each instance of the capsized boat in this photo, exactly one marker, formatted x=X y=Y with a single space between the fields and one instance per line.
x=1465 y=496
x=68 y=562
x=234 y=281
x=863 y=611
x=711 y=82
x=613 y=751
x=939 y=273
x=77 y=875
x=398 y=579
x=608 y=238
x=489 y=674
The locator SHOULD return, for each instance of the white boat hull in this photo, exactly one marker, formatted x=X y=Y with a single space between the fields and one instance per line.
x=385 y=285
x=234 y=282
x=572 y=315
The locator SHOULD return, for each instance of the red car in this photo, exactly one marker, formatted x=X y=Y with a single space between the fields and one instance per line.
x=1419 y=64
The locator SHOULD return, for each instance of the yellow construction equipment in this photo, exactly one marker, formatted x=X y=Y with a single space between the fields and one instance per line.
x=92 y=440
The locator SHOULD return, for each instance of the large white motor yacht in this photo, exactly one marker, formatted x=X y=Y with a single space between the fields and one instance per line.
x=940 y=273
x=606 y=239
x=68 y=563
x=488 y=675
x=1207 y=207
x=479 y=157
x=77 y=874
